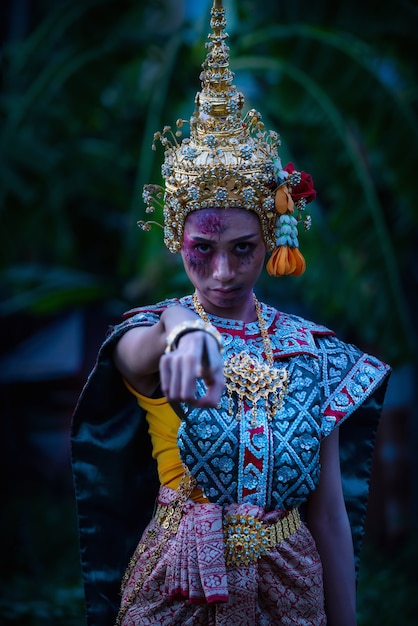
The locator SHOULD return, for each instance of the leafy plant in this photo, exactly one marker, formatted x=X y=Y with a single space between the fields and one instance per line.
x=84 y=92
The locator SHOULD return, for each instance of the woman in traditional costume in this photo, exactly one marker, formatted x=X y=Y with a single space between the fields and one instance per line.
x=242 y=404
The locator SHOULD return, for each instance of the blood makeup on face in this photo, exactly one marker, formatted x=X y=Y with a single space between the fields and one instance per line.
x=207 y=223
x=212 y=224
x=196 y=260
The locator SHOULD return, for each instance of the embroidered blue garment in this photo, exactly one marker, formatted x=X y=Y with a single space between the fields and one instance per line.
x=275 y=464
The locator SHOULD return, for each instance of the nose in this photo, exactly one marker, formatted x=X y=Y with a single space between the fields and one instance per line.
x=223 y=267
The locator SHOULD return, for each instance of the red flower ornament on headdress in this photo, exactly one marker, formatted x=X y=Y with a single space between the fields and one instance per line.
x=304 y=189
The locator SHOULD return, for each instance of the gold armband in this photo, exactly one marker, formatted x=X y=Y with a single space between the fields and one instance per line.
x=189 y=327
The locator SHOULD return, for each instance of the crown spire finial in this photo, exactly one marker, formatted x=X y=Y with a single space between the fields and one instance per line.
x=219 y=97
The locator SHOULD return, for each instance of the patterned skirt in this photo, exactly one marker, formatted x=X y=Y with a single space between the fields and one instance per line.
x=179 y=576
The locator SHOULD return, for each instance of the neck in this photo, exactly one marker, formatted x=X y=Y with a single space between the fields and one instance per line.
x=243 y=311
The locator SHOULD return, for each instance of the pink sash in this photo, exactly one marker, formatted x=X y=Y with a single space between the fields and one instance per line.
x=197 y=570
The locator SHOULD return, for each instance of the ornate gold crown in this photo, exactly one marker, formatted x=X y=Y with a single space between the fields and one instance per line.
x=229 y=161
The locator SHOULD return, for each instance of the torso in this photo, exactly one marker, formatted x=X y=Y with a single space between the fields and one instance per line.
x=247 y=455
x=272 y=463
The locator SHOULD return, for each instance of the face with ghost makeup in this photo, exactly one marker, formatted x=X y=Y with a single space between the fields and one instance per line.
x=223 y=253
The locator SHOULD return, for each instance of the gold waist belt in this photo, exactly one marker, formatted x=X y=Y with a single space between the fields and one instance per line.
x=247 y=538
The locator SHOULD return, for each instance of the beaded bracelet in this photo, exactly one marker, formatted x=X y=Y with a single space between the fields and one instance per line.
x=191 y=326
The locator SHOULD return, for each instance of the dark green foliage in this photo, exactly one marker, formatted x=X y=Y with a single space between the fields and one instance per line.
x=83 y=93
x=387 y=586
x=42 y=585
x=85 y=90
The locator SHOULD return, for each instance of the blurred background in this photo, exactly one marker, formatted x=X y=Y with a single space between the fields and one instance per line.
x=84 y=86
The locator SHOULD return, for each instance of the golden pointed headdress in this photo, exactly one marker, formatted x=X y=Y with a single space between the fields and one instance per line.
x=229 y=161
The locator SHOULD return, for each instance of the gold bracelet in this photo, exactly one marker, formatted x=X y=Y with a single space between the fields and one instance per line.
x=189 y=327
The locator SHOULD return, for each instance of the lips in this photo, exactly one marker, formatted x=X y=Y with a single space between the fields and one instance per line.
x=224 y=292
x=224 y=287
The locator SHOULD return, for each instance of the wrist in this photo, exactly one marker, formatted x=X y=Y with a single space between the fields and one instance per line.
x=190 y=326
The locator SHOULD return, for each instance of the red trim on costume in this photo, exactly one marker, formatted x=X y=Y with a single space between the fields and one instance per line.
x=250 y=458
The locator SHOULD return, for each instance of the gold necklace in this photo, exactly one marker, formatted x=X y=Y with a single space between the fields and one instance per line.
x=250 y=379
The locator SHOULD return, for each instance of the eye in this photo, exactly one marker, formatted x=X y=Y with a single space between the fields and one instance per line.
x=203 y=248
x=243 y=247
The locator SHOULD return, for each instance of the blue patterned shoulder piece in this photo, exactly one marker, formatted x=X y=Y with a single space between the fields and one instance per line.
x=294 y=335
x=157 y=308
x=141 y=316
x=301 y=322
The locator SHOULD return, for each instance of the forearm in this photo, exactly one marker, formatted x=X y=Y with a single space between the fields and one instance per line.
x=138 y=352
x=195 y=352
x=335 y=547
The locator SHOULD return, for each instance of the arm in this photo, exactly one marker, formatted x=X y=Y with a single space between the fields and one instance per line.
x=140 y=357
x=328 y=522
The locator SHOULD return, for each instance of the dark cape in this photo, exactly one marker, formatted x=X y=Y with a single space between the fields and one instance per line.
x=116 y=480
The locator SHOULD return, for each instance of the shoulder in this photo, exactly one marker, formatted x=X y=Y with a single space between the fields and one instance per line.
x=146 y=315
x=294 y=335
x=152 y=309
x=301 y=324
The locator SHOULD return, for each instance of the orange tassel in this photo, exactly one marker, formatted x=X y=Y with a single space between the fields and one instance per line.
x=286 y=261
x=283 y=201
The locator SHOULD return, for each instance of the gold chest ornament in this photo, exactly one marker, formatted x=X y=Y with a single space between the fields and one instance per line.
x=251 y=379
